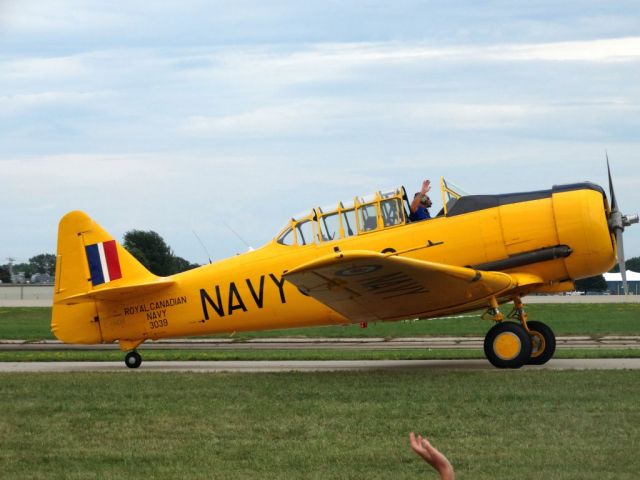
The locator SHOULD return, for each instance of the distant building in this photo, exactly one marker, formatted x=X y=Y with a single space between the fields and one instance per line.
x=41 y=278
x=19 y=278
x=614 y=283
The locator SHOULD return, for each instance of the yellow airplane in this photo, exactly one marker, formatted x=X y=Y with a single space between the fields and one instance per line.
x=354 y=262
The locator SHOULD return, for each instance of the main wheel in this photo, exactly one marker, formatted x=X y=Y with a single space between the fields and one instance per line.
x=507 y=345
x=543 y=343
x=132 y=359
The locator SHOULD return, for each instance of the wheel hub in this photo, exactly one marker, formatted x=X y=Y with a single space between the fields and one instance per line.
x=507 y=346
x=537 y=344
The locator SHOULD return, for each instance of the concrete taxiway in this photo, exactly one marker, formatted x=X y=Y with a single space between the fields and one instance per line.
x=311 y=366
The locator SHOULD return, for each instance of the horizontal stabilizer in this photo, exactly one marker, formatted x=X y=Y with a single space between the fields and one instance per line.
x=114 y=294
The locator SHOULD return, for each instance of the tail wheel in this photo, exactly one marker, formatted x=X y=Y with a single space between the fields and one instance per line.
x=133 y=359
x=543 y=343
x=507 y=345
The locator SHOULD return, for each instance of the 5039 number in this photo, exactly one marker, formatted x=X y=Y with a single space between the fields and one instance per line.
x=159 y=323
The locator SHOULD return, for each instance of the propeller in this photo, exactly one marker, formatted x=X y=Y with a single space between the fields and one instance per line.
x=617 y=221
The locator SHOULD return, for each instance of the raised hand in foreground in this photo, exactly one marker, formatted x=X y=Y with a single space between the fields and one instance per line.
x=432 y=456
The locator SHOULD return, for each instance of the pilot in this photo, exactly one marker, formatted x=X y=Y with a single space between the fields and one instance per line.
x=421 y=203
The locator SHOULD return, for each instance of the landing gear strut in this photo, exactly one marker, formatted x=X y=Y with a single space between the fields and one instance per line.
x=512 y=345
x=132 y=359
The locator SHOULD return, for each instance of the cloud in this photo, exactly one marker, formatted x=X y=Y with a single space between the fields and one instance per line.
x=307 y=62
x=10 y=104
x=277 y=120
x=43 y=68
x=274 y=67
x=336 y=117
x=600 y=50
x=322 y=117
x=594 y=50
x=57 y=16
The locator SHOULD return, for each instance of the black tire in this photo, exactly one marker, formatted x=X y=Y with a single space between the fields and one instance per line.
x=132 y=359
x=507 y=345
x=543 y=343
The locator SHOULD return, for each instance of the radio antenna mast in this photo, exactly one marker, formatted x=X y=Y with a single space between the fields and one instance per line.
x=203 y=247
x=237 y=235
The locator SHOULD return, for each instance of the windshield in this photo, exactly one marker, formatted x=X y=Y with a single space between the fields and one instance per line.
x=450 y=194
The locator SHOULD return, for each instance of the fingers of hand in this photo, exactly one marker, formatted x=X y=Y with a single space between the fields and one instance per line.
x=427 y=445
x=425 y=450
x=416 y=443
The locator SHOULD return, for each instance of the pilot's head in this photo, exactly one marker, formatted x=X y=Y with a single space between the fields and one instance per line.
x=425 y=201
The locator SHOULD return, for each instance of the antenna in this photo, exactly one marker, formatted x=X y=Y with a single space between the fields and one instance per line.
x=236 y=234
x=203 y=247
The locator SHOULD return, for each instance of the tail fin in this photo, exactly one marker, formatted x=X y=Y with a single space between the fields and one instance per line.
x=92 y=267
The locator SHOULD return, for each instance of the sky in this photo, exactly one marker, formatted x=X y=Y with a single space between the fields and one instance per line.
x=217 y=117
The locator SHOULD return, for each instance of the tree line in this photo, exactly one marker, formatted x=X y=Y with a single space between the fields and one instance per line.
x=148 y=247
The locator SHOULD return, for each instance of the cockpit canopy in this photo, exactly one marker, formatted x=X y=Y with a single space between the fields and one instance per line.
x=380 y=210
x=383 y=209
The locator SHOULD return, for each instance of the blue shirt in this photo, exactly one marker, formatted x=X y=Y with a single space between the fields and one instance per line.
x=421 y=213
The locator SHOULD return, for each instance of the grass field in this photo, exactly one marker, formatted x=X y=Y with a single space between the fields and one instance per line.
x=566 y=319
x=492 y=424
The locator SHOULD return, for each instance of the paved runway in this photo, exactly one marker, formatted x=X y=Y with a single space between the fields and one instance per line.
x=311 y=366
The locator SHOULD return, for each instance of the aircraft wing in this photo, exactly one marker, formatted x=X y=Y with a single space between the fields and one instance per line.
x=369 y=286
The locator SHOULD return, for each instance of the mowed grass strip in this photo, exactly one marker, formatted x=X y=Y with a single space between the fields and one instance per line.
x=302 y=354
x=25 y=323
x=566 y=319
x=342 y=425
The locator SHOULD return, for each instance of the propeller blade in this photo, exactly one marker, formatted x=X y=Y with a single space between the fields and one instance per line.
x=614 y=204
x=621 y=262
x=617 y=221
